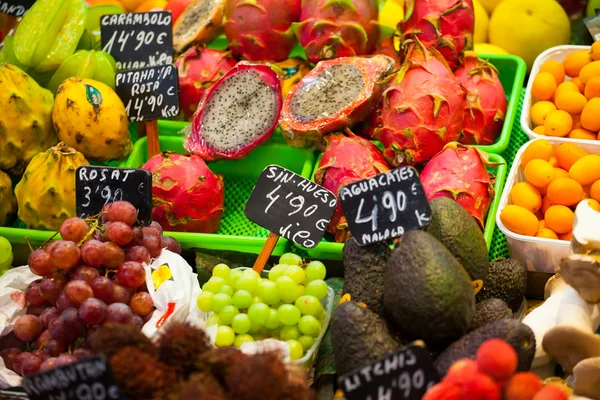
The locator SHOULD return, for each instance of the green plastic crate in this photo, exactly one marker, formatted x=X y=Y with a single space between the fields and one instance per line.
x=236 y=233
x=331 y=250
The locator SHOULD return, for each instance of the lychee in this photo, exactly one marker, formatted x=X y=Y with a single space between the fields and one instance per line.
x=522 y=386
x=444 y=391
x=497 y=359
x=480 y=387
x=551 y=392
x=460 y=370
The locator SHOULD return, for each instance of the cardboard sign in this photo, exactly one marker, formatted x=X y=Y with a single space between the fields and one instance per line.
x=149 y=93
x=96 y=186
x=385 y=206
x=291 y=206
x=406 y=374
x=16 y=8
x=138 y=40
x=90 y=378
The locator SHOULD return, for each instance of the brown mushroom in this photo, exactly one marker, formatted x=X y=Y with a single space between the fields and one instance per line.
x=569 y=345
x=587 y=378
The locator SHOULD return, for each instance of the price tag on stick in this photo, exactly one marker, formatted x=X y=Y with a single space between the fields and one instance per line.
x=138 y=40
x=90 y=378
x=14 y=8
x=290 y=206
x=149 y=94
x=385 y=206
x=96 y=186
x=406 y=374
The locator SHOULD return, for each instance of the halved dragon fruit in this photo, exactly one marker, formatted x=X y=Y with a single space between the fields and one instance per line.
x=261 y=29
x=486 y=101
x=334 y=95
x=337 y=28
x=237 y=113
x=198 y=69
x=347 y=159
x=460 y=173
x=422 y=108
x=186 y=195
x=446 y=25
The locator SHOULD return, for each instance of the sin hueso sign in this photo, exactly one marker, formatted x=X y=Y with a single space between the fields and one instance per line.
x=149 y=93
x=291 y=206
x=385 y=206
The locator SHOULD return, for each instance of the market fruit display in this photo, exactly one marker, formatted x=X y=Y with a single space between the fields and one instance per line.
x=445 y=25
x=460 y=172
x=346 y=91
x=567 y=97
x=8 y=201
x=186 y=195
x=46 y=192
x=287 y=305
x=90 y=117
x=237 y=113
x=346 y=159
x=557 y=178
x=49 y=33
x=340 y=28
x=198 y=69
x=199 y=23
x=422 y=108
x=486 y=103
x=86 y=280
x=262 y=29
x=25 y=121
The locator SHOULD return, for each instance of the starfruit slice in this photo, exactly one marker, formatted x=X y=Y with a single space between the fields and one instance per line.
x=49 y=33
x=97 y=65
x=92 y=23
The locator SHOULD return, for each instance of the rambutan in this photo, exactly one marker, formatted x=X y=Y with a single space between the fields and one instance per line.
x=444 y=391
x=218 y=361
x=203 y=386
x=461 y=370
x=112 y=337
x=480 y=387
x=259 y=376
x=522 y=386
x=139 y=374
x=551 y=392
x=497 y=358
x=180 y=345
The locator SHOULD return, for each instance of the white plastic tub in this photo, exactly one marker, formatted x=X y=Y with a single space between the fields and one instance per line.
x=538 y=254
x=558 y=54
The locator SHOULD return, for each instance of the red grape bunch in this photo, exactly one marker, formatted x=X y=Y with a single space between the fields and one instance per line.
x=91 y=276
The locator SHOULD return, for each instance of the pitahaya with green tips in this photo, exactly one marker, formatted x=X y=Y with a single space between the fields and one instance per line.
x=261 y=29
x=337 y=28
x=422 y=108
x=446 y=25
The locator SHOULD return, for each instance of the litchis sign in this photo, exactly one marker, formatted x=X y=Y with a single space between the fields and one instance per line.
x=406 y=374
x=385 y=206
x=16 y=8
x=138 y=40
x=291 y=206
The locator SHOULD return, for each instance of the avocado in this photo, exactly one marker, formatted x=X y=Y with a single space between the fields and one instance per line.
x=507 y=281
x=364 y=268
x=517 y=334
x=427 y=294
x=457 y=230
x=359 y=337
x=490 y=310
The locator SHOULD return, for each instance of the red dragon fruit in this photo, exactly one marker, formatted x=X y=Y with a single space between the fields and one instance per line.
x=198 y=69
x=460 y=173
x=446 y=25
x=334 y=95
x=347 y=159
x=186 y=195
x=237 y=113
x=422 y=108
x=486 y=101
x=261 y=29
x=337 y=28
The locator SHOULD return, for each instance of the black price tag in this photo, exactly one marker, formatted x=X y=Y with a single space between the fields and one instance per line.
x=90 y=378
x=13 y=394
x=385 y=206
x=291 y=206
x=16 y=8
x=138 y=40
x=149 y=93
x=406 y=374
x=97 y=186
